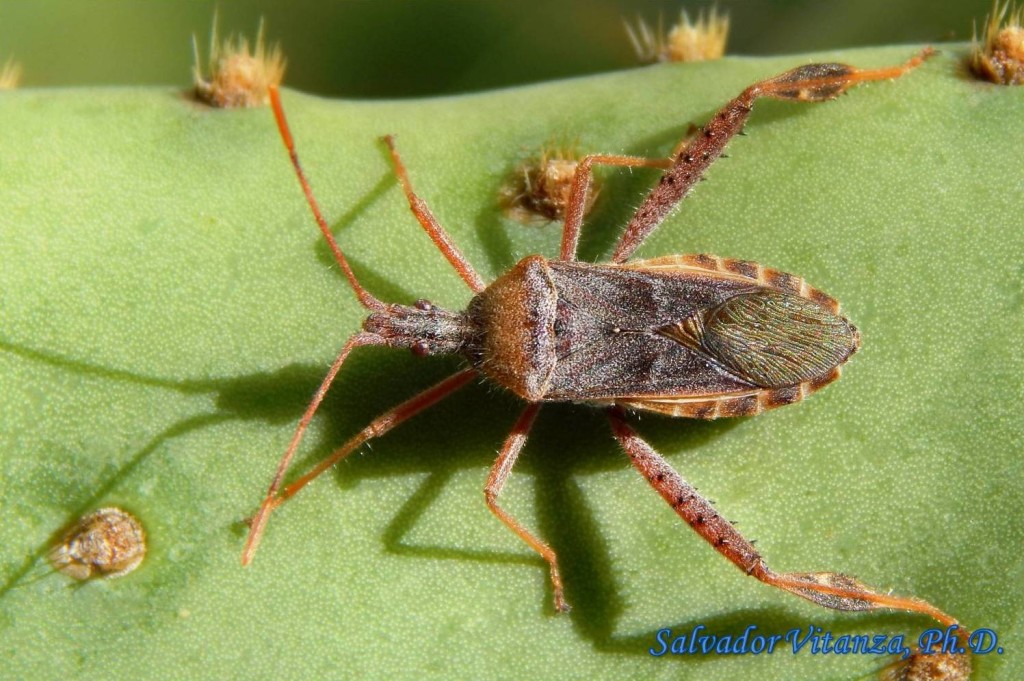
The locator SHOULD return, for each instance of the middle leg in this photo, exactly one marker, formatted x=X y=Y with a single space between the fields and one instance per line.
x=496 y=482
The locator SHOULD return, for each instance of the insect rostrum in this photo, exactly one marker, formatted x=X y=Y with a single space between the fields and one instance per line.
x=691 y=335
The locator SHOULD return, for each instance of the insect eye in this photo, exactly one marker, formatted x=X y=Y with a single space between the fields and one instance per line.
x=424 y=305
x=421 y=348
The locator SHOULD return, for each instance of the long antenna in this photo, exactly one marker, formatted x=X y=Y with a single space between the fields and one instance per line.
x=367 y=299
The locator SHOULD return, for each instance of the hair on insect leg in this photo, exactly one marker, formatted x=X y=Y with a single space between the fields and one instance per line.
x=811 y=83
x=828 y=589
x=500 y=471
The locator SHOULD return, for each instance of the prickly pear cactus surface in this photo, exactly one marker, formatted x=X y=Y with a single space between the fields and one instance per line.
x=167 y=308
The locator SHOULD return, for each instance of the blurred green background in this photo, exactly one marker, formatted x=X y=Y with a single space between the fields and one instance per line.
x=410 y=48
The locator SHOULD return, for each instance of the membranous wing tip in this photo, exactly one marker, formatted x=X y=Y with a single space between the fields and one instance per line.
x=770 y=338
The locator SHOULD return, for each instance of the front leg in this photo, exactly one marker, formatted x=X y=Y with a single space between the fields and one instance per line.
x=827 y=589
x=580 y=188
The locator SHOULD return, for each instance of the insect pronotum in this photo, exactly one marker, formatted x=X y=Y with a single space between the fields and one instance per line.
x=692 y=335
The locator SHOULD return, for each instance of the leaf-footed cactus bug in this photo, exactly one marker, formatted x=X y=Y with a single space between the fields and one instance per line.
x=691 y=335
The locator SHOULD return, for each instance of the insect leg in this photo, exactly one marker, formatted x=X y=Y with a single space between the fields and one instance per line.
x=810 y=83
x=430 y=224
x=827 y=589
x=368 y=300
x=496 y=481
x=377 y=427
x=581 y=182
